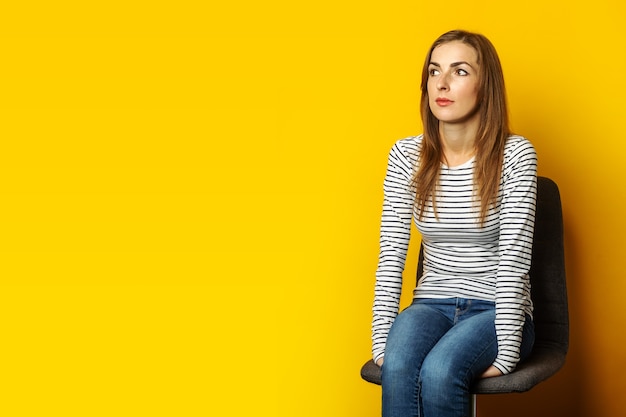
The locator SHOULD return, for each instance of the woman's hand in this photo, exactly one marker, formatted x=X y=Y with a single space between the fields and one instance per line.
x=491 y=372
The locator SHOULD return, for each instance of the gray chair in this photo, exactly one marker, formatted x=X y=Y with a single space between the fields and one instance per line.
x=549 y=294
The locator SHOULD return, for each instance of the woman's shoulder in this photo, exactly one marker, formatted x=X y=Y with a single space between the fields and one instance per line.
x=411 y=142
x=518 y=146
x=516 y=142
x=519 y=153
x=408 y=147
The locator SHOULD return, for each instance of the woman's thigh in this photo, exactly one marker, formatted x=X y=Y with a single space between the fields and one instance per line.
x=415 y=331
x=465 y=351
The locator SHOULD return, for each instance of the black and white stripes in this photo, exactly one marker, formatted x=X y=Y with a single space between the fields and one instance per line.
x=461 y=257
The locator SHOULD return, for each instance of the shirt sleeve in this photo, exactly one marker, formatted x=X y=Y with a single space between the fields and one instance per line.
x=395 y=232
x=517 y=220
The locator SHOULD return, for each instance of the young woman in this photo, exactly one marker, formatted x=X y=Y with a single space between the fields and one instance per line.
x=470 y=186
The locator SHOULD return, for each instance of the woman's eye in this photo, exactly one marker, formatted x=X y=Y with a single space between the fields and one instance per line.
x=462 y=72
x=433 y=71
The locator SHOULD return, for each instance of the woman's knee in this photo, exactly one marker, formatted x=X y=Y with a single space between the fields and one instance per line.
x=438 y=372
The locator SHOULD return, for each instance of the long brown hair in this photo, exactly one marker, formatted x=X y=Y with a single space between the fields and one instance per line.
x=492 y=131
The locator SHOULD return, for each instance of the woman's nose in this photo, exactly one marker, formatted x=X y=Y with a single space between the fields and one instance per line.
x=442 y=82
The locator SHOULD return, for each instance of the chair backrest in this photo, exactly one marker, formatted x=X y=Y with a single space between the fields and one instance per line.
x=547 y=272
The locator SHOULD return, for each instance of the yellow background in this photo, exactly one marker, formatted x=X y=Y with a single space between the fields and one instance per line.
x=190 y=196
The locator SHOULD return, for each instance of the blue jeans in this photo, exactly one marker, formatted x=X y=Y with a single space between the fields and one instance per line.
x=434 y=351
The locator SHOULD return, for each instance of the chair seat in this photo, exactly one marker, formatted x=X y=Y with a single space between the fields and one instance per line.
x=542 y=364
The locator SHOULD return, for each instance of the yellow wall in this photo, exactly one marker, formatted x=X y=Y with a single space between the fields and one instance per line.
x=190 y=197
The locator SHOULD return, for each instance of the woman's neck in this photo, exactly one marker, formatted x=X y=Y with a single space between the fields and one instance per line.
x=458 y=142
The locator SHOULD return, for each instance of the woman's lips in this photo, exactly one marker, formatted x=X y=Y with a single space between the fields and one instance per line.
x=443 y=101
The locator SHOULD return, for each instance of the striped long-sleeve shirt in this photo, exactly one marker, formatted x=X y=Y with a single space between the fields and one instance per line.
x=462 y=258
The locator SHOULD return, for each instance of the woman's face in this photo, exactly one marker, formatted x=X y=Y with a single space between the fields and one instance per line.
x=453 y=82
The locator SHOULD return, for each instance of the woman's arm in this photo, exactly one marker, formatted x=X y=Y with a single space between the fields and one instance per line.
x=517 y=219
x=395 y=232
